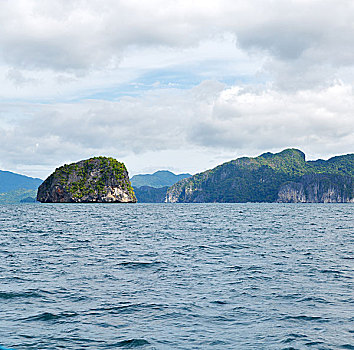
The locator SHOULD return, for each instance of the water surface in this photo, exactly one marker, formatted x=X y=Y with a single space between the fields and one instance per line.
x=177 y=276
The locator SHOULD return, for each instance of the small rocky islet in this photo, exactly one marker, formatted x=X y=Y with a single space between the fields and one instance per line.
x=95 y=180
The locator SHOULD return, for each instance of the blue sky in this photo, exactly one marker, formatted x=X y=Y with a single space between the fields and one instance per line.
x=175 y=85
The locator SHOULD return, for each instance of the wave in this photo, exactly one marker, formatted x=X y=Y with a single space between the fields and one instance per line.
x=128 y=308
x=139 y=264
x=306 y=318
x=130 y=343
x=24 y=294
x=48 y=316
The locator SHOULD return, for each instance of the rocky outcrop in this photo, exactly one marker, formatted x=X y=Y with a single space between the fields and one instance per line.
x=95 y=180
x=318 y=188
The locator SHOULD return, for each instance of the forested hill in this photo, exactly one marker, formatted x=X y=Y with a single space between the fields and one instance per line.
x=284 y=176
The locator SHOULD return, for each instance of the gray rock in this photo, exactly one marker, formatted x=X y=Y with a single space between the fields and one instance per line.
x=318 y=188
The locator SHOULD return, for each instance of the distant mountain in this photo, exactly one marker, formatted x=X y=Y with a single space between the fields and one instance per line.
x=158 y=179
x=279 y=177
x=15 y=187
x=11 y=181
x=28 y=200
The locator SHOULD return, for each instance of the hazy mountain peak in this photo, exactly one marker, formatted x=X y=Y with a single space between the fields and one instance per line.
x=160 y=178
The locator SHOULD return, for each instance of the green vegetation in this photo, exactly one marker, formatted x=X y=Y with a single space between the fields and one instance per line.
x=257 y=179
x=147 y=194
x=16 y=196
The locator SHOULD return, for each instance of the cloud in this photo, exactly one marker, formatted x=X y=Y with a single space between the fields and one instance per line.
x=79 y=37
x=210 y=117
x=317 y=120
x=18 y=78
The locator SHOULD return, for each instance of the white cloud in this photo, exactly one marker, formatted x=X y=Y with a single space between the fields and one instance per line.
x=83 y=36
x=211 y=117
x=319 y=121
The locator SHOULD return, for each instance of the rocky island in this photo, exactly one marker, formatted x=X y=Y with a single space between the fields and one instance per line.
x=284 y=177
x=95 y=180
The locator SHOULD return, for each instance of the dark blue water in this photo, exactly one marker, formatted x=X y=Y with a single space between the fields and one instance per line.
x=177 y=276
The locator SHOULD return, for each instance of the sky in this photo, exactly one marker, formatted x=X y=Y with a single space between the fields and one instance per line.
x=177 y=85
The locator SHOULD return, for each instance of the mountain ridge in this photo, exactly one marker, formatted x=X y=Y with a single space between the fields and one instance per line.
x=259 y=179
x=10 y=181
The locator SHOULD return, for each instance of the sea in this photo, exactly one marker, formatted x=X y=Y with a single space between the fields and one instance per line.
x=177 y=276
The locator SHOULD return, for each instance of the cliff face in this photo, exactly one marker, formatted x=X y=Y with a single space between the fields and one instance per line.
x=282 y=177
x=318 y=188
x=97 y=179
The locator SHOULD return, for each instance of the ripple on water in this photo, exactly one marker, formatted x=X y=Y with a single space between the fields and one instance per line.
x=123 y=309
x=24 y=294
x=129 y=344
x=49 y=316
x=139 y=264
x=306 y=318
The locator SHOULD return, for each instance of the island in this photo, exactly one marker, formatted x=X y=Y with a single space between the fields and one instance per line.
x=284 y=177
x=94 y=180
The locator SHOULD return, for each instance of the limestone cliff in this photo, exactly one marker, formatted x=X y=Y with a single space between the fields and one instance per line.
x=98 y=179
x=318 y=188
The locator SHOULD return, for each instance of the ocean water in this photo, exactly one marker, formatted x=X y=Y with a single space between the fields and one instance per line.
x=177 y=276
